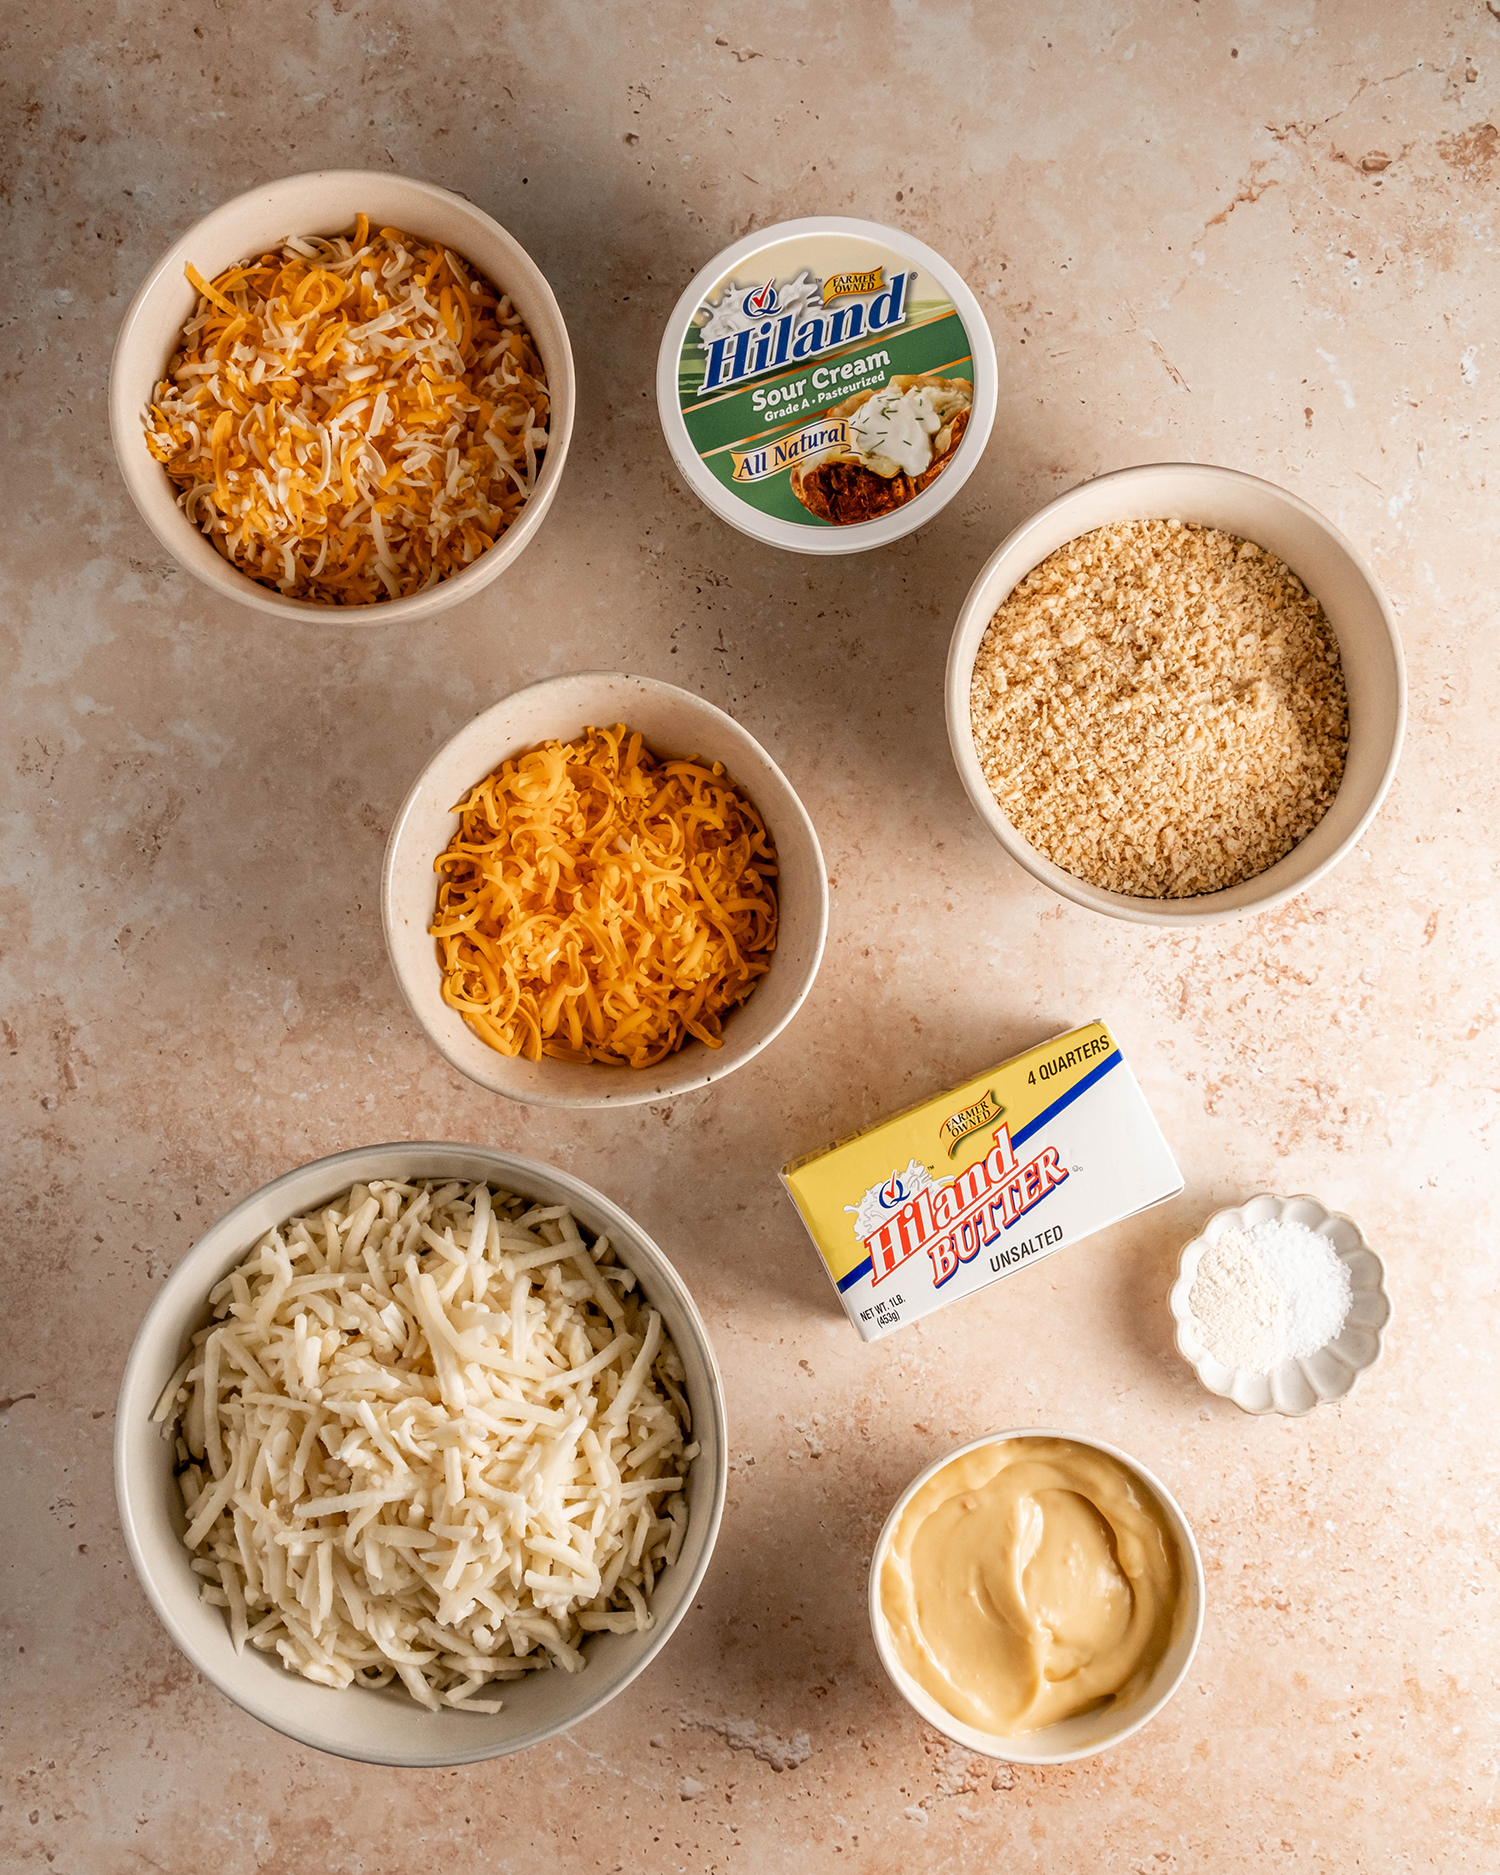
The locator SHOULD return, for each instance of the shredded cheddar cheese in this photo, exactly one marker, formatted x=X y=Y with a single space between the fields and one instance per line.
x=351 y=419
x=599 y=903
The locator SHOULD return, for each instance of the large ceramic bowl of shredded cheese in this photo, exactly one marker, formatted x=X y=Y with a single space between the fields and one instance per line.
x=641 y=939
x=353 y=432
x=504 y=1487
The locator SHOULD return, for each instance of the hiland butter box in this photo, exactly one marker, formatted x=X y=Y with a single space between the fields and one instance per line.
x=968 y=1187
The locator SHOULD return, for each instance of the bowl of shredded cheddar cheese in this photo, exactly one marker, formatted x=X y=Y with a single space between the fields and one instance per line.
x=603 y=891
x=343 y=395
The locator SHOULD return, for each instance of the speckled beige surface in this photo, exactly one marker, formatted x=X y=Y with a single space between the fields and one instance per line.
x=1259 y=234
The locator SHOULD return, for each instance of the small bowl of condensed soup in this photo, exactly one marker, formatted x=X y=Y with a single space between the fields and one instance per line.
x=1036 y=1596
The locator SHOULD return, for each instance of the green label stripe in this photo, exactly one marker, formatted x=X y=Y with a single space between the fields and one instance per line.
x=949 y=368
x=723 y=424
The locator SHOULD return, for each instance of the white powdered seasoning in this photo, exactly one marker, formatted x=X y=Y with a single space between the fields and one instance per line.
x=1312 y=1276
x=1276 y=1292
x=1238 y=1311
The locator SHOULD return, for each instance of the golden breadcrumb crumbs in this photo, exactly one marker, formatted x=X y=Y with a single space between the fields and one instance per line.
x=1160 y=709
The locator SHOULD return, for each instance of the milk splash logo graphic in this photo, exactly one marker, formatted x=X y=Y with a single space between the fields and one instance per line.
x=883 y=1201
x=752 y=329
x=952 y=1220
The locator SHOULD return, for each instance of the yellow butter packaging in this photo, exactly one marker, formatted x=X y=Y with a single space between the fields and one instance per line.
x=972 y=1185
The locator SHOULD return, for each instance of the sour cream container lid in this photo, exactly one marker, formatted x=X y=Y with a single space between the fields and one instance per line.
x=826 y=385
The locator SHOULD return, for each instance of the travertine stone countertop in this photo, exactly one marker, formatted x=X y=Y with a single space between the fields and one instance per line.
x=1261 y=235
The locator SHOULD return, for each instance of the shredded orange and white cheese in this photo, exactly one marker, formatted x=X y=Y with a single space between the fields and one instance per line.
x=599 y=903
x=352 y=419
x=430 y=1434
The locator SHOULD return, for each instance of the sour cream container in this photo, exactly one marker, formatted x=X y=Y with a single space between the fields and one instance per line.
x=826 y=385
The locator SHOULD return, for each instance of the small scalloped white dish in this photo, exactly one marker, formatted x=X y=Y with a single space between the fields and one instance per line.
x=1295 y=1386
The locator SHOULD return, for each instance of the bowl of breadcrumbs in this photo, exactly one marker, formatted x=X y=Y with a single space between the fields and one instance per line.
x=1176 y=695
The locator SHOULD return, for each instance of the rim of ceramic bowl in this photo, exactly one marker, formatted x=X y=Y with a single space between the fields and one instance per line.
x=1328 y=1375
x=714 y=1064
x=1211 y=907
x=991 y=1745
x=188 y=545
x=185 y=1295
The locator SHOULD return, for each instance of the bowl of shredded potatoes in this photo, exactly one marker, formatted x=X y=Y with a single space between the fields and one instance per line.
x=420 y=1453
x=345 y=395
x=603 y=891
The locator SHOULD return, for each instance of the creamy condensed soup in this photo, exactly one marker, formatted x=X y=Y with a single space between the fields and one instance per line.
x=1030 y=1581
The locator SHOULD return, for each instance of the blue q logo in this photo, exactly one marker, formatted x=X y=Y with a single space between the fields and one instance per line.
x=892 y=1193
x=762 y=303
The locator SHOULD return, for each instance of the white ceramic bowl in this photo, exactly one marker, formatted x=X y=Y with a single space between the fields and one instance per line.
x=1295 y=1387
x=673 y=722
x=325 y=202
x=1330 y=568
x=1091 y=1732
x=387 y=1727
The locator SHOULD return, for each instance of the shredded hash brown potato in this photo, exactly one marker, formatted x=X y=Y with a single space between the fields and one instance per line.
x=598 y=903
x=352 y=419
x=430 y=1434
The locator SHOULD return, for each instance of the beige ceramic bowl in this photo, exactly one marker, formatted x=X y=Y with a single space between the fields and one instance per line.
x=387 y=1727
x=673 y=722
x=1328 y=566
x=326 y=202
x=1295 y=1387
x=1092 y=1732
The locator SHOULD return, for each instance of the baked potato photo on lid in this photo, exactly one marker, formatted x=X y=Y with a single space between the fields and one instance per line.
x=901 y=437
